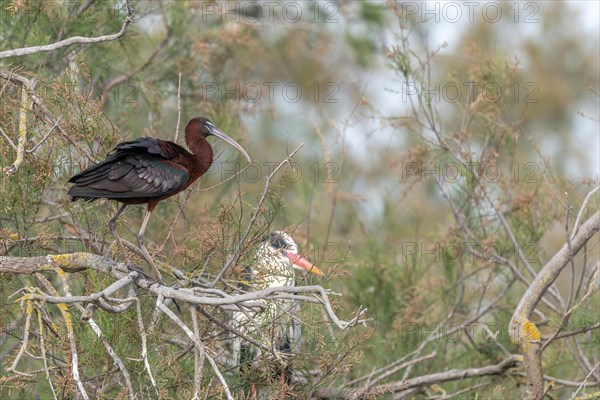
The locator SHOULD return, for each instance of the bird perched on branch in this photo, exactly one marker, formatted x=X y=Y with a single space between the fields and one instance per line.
x=276 y=263
x=148 y=170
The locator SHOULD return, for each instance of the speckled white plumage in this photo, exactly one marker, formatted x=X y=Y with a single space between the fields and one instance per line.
x=271 y=269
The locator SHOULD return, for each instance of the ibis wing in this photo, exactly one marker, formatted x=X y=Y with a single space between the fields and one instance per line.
x=140 y=168
x=133 y=176
x=148 y=145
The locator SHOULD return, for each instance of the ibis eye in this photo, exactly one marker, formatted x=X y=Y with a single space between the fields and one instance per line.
x=277 y=242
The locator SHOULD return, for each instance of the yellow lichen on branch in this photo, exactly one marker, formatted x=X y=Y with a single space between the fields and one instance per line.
x=29 y=307
x=531 y=332
x=72 y=262
x=64 y=310
x=25 y=105
x=61 y=273
x=64 y=260
x=62 y=307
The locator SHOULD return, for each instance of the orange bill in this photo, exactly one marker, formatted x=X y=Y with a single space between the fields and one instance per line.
x=302 y=262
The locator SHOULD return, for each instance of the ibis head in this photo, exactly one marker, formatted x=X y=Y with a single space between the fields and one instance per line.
x=207 y=128
x=278 y=259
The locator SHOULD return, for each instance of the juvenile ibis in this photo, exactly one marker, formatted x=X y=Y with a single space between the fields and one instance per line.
x=148 y=170
x=277 y=260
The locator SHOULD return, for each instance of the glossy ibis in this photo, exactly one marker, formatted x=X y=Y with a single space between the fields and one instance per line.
x=148 y=170
x=276 y=263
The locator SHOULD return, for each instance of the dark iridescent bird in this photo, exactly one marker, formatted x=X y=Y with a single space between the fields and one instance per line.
x=148 y=170
x=277 y=263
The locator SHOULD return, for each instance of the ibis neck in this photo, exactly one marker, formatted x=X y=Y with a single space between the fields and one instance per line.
x=201 y=150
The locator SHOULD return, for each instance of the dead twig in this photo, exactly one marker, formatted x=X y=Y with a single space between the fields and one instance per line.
x=34 y=148
x=583 y=384
x=10 y=142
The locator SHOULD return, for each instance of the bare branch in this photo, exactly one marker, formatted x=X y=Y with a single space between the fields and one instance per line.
x=578 y=331
x=76 y=262
x=178 y=109
x=25 y=105
x=399 y=388
x=199 y=353
x=24 y=344
x=394 y=370
x=72 y=40
x=560 y=381
x=10 y=142
x=138 y=309
x=583 y=384
x=34 y=148
x=522 y=331
x=583 y=207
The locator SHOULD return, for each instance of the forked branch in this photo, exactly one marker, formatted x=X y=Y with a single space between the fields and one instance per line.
x=523 y=332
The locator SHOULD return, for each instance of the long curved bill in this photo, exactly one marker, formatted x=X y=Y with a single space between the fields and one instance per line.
x=302 y=263
x=223 y=136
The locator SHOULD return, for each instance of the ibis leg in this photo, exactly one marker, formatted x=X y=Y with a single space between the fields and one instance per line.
x=140 y=241
x=112 y=224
